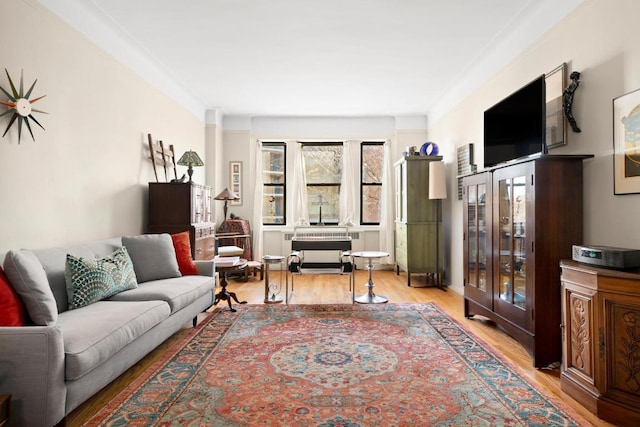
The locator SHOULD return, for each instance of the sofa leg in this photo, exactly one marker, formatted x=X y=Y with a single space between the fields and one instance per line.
x=195 y=321
x=62 y=423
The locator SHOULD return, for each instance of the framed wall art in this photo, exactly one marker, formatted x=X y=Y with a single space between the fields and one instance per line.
x=626 y=143
x=556 y=128
x=235 y=181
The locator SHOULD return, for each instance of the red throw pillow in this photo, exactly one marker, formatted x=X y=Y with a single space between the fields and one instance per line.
x=12 y=311
x=182 y=245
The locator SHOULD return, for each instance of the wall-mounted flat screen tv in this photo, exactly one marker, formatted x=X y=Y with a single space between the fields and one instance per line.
x=514 y=128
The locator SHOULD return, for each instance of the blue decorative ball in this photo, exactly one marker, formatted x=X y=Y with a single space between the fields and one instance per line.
x=429 y=149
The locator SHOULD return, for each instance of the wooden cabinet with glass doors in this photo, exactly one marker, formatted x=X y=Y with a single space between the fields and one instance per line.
x=520 y=220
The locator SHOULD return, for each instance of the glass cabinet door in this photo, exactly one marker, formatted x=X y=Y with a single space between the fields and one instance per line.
x=512 y=242
x=478 y=240
x=477 y=235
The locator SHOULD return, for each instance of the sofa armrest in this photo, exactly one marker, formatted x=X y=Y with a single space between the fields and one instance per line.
x=32 y=371
x=205 y=267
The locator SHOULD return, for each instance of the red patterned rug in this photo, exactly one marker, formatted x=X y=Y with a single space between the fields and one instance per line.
x=332 y=366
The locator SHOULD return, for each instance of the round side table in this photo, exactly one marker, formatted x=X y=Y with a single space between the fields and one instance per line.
x=272 y=288
x=370 y=297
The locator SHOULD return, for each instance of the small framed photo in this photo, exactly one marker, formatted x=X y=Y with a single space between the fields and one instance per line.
x=235 y=181
x=626 y=143
x=556 y=128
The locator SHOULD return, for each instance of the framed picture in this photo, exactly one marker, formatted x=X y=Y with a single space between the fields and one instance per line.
x=626 y=143
x=235 y=181
x=556 y=128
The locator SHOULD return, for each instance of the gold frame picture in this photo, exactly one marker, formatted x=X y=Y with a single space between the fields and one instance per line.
x=626 y=143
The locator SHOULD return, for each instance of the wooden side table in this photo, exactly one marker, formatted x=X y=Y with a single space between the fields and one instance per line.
x=5 y=409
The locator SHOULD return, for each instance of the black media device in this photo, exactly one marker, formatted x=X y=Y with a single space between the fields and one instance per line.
x=514 y=128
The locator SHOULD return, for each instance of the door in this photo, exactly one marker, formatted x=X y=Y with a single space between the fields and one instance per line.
x=477 y=239
x=513 y=247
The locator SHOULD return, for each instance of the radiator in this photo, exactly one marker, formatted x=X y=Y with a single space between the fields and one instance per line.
x=321 y=256
x=278 y=242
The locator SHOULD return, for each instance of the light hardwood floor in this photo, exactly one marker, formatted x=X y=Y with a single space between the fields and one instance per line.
x=334 y=289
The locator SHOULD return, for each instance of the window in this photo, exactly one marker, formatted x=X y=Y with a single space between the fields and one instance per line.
x=323 y=173
x=372 y=154
x=274 y=177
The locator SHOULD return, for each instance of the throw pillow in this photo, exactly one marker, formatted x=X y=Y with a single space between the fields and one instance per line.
x=93 y=279
x=13 y=312
x=26 y=274
x=182 y=246
x=153 y=256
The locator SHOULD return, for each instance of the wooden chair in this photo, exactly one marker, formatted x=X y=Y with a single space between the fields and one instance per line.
x=161 y=156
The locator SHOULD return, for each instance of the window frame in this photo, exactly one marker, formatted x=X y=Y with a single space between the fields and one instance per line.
x=283 y=184
x=363 y=184
x=323 y=144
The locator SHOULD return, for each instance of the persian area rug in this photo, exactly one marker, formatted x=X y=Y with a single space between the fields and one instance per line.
x=332 y=366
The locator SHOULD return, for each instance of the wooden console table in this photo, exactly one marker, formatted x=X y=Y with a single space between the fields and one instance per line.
x=601 y=340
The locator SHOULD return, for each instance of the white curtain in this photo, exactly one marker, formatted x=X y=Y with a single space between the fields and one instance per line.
x=387 y=207
x=349 y=193
x=300 y=211
x=258 y=198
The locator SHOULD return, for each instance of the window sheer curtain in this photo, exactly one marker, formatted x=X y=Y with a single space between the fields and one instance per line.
x=300 y=210
x=349 y=193
x=258 y=198
x=386 y=207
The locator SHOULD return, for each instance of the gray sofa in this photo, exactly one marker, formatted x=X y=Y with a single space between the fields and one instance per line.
x=66 y=356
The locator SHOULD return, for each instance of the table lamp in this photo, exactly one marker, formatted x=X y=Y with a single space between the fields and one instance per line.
x=190 y=159
x=319 y=201
x=226 y=195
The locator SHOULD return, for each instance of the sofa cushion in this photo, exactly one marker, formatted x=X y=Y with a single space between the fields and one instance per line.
x=13 y=312
x=30 y=282
x=153 y=256
x=179 y=292
x=182 y=245
x=230 y=251
x=94 y=333
x=54 y=260
x=93 y=279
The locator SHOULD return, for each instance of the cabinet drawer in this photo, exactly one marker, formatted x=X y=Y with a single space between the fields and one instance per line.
x=205 y=248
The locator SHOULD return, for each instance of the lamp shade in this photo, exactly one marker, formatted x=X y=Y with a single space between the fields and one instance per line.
x=320 y=201
x=226 y=194
x=190 y=158
x=437 y=181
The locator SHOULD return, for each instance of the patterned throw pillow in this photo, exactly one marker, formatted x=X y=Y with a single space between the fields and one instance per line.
x=93 y=279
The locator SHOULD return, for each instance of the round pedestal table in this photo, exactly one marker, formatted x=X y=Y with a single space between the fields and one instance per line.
x=370 y=297
x=275 y=288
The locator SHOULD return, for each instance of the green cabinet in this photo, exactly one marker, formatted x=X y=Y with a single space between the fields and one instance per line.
x=418 y=220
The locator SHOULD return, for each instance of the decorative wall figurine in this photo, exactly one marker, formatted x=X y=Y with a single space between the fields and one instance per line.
x=21 y=107
x=567 y=100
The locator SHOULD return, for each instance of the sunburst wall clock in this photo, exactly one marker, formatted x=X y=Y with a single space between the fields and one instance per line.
x=21 y=106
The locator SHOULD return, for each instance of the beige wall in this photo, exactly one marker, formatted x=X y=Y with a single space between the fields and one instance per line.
x=86 y=175
x=599 y=39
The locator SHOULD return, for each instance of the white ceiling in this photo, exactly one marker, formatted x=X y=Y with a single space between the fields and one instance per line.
x=314 y=57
